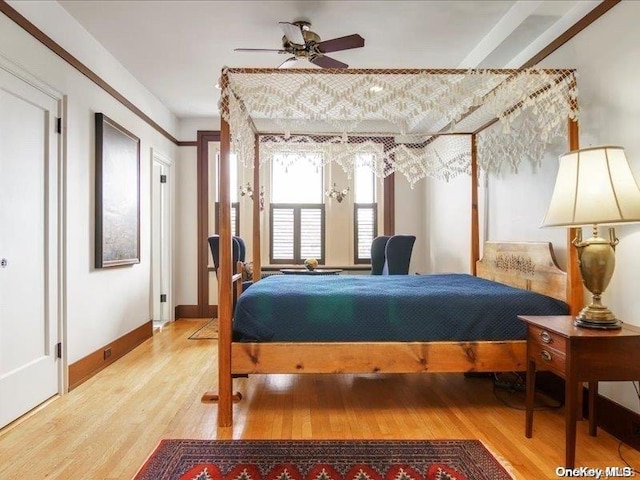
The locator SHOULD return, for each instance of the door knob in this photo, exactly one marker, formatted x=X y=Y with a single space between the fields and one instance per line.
x=3 y=262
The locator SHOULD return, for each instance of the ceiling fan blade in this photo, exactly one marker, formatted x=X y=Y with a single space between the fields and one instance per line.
x=277 y=50
x=288 y=62
x=292 y=32
x=342 y=43
x=327 y=62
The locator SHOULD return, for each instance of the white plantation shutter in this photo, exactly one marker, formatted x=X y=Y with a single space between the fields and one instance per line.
x=297 y=233
x=311 y=233
x=365 y=230
x=234 y=220
x=282 y=234
x=365 y=212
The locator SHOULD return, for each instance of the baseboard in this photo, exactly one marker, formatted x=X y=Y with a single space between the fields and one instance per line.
x=87 y=367
x=193 y=311
x=619 y=421
x=613 y=418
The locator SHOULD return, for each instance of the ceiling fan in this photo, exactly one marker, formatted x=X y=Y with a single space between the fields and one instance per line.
x=300 y=42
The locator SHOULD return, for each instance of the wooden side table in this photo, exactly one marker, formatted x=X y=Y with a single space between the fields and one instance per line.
x=578 y=355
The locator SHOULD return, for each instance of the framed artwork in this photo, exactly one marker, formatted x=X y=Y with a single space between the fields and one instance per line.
x=117 y=239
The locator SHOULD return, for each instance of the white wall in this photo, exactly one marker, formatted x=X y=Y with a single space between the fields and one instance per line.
x=185 y=265
x=448 y=229
x=102 y=305
x=53 y=19
x=410 y=219
x=188 y=127
x=518 y=203
x=605 y=56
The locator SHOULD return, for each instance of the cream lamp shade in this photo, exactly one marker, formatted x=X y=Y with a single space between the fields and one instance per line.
x=594 y=186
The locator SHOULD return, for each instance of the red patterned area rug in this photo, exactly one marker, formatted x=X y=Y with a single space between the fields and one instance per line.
x=321 y=460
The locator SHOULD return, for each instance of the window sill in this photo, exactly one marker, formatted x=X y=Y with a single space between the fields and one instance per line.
x=276 y=268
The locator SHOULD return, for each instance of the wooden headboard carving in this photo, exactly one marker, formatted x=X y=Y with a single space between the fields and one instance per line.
x=526 y=265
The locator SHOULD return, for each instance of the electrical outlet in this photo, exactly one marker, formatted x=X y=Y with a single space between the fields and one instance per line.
x=107 y=353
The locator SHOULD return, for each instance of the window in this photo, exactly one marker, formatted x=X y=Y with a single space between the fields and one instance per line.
x=235 y=204
x=365 y=209
x=296 y=212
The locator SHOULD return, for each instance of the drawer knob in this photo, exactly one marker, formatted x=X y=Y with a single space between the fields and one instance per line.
x=546 y=356
x=545 y=337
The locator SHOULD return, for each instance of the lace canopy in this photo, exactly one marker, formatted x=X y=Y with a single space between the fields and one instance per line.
x=415 y=122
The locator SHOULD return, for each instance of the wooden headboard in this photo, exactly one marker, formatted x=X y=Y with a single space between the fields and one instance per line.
x=527 y=265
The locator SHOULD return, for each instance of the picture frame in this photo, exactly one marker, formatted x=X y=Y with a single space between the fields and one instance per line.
x=117 y=190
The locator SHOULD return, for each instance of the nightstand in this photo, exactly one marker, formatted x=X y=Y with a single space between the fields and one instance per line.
x=578 y=355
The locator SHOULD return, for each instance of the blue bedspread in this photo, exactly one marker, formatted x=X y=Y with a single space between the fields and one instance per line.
x=402 y=308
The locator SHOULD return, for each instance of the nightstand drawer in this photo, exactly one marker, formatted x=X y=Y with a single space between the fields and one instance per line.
x=546 y=338
x=547 y=358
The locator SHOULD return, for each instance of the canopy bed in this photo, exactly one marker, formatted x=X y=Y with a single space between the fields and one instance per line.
x=418 y=123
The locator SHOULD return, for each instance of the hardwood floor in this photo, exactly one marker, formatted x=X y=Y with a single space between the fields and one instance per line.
x=106 y=428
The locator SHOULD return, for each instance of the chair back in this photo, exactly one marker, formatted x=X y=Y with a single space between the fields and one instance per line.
x=239 y=255
x=398 y=255
x=242 y=253
x=214 y=246
x=242 y=248
x=377 y=254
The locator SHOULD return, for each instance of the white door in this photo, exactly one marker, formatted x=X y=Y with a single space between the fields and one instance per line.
x=161 y=238
x=29 y=293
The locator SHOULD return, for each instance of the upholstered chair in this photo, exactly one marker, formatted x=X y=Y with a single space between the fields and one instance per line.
x=242 y=252
x=238 y=254
x=377 y=254
x=398 y=254
x=214 y=246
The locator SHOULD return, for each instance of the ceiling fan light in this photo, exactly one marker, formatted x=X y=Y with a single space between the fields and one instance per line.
x=301 y=42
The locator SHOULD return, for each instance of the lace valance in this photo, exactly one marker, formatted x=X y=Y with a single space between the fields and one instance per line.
x=414 y=122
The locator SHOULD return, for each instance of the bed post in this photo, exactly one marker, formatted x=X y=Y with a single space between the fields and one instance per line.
x=225 y=299
x=258 y=204
x=575 y=292
x=475 y=232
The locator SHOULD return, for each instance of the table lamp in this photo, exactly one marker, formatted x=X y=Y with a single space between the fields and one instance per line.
x=595 y=187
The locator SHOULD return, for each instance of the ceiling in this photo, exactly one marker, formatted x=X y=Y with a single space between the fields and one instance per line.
x=178 y=48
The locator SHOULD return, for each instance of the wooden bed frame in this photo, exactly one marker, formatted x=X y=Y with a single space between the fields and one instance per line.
x=525 y=265
x=528 y=265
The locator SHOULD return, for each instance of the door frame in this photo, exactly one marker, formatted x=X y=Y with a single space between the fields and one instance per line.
x=60 y=215
x=163 y=159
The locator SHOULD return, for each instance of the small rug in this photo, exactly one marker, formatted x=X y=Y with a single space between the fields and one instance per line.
x=321 y=460
x=209 y=331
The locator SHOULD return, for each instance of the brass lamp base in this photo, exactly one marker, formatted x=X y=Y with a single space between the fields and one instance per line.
x=596 y=257
x=583 y=321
